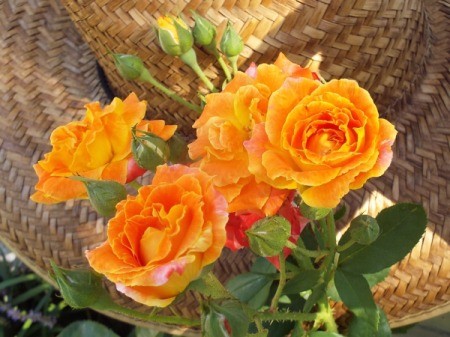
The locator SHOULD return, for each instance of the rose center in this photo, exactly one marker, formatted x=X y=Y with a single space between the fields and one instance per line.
x=325 y=139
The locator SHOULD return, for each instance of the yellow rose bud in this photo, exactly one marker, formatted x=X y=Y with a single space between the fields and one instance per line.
x=174 y=36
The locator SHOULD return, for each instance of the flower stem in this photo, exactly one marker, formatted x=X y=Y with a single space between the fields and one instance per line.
x=191 y=60
x=306 y=252
x=281 y=283
x=287 y=316
x=233 y=60
x=147 y=77
x=346 y=245
x=224 y=66
x=154 y=318
x=135 y=185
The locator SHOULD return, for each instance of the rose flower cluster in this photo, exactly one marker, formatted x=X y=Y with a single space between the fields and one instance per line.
x=273 y=132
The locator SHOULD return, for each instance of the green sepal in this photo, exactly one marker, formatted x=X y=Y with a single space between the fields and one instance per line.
x=104 y=195
x=81 y=288
x=313 y=213
x=231 y=43
x=268 y=236
x=149 y=151
x=204 y=32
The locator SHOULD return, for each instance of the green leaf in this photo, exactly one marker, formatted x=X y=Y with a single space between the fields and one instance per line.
x=251 y=288
x=401 y=227
x=384 y=330
x=364 y=229
x=313 y=213
x=317 y=293
x=146 y=332
x=377 y=277
x=263 y=266
x=305 y=280
x=340 y=212
x=31 y=293
x=214 y=314
x=268 y=236
x=104 y=195
x=324 y=334
x=86 y=328
x=356 y=295
x=81 y=288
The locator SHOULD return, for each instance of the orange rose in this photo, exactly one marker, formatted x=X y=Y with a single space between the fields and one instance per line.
x=227 y=122
x=322 y=139
x=98 y=147
x=160 y=240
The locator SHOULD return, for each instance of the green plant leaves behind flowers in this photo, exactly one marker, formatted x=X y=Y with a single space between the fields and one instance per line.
x=268 y=236
x=86 y=328
x=303 y=281
x=81 y=288
x=214 y=315
x=103 y=194
x=401 y=227
x=149 y=151
x=355 y=293
x=251 y=288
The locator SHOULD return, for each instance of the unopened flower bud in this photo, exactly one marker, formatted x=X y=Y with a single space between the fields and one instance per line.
x=174 y=36
x=204 y=31
x=364 y=229
x=130 y=67
x=149 y=151
x=231 y=44
x=268 y=236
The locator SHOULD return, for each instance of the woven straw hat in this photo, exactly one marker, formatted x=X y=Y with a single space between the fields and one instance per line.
x=398 y=50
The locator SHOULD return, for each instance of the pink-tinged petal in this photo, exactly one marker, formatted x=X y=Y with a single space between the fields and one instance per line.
x=386 y=140
x=292 y=69
x=149 y=296
x=252 y=70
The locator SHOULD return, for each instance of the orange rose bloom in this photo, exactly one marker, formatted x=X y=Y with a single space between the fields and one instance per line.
x=160 y=240
x=322 y=139
x=98 y=147
x=227 y=122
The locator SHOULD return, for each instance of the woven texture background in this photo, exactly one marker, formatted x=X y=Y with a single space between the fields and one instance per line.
x=49 y=73
x=379 y=43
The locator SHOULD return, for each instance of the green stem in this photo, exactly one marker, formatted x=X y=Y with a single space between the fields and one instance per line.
x=346 y=245
x=191 y=60
x=306 y=252
x=154 y=318
x=328 y=267
x=212 y=49
x=233 y=61
x=147 y=77
x=258 y=323
x=224 y=66
x=287 y=316
x=135 y=185
x=281 y=283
